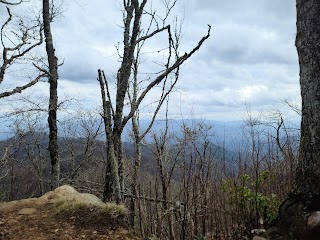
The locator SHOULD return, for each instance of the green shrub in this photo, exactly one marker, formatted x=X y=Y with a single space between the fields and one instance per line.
x=246 y=204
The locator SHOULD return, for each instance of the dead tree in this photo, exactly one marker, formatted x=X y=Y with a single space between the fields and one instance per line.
x=53 y=98
x=114 y=116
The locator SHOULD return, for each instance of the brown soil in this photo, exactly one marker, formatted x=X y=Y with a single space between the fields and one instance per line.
x=44 y=222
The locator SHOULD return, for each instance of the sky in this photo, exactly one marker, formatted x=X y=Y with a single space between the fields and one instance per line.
x=249 y=61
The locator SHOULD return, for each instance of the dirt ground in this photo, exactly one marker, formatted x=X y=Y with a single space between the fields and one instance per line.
x=46 y=221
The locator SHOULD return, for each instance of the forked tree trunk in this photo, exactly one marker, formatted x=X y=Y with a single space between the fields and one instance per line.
x=305 y=197
x=133 y=35
x=53 y=99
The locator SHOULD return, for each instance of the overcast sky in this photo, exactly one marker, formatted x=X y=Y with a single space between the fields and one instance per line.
x=250 y=58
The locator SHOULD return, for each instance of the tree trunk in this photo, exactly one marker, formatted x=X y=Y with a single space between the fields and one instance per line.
x=112 y=157
x=307 y=43
x=305 y=196
x=112 y=182
x=120 y=162
x=134 y=185
x=53 y=99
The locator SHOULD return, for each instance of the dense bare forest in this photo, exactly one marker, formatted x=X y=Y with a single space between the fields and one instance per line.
x=177 y=182
x=187 y=186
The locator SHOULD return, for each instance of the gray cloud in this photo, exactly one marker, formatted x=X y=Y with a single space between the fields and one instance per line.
x=250 y=56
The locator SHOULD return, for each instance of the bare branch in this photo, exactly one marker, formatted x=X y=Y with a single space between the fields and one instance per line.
x=169 y=8
x=19 y=50
x=107 y=90
x=106 y=104
x=11 y=3
x=4 y=53
x=178 y=62
x=41 y=69
x=153 y=33
x=21 y=88
x=293 y=107
x=160 y=103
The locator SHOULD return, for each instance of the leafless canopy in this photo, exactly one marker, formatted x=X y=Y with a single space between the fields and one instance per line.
x=136 y=31
x=18 y=38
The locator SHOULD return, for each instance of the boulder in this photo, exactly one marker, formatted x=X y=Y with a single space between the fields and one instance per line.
x=68 y=194
x=63 y=195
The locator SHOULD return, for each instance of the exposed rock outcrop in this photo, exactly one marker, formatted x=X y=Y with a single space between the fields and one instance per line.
x=63 y=214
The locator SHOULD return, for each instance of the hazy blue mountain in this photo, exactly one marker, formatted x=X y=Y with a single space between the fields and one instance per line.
x=229 y=134
x=221 y=133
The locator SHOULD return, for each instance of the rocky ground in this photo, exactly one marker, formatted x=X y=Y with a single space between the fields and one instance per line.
x=62 y=215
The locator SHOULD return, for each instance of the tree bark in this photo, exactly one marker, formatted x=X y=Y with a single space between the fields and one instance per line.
x=112 y=182
x=305 y=196
x=53 y=99
x=307 y=43
x=137 y=162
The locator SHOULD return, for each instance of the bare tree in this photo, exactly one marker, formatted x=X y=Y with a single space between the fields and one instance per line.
x=133 y=92
x=17 y=42
x=80 y=133
x=114 y=116
x=53 y=99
